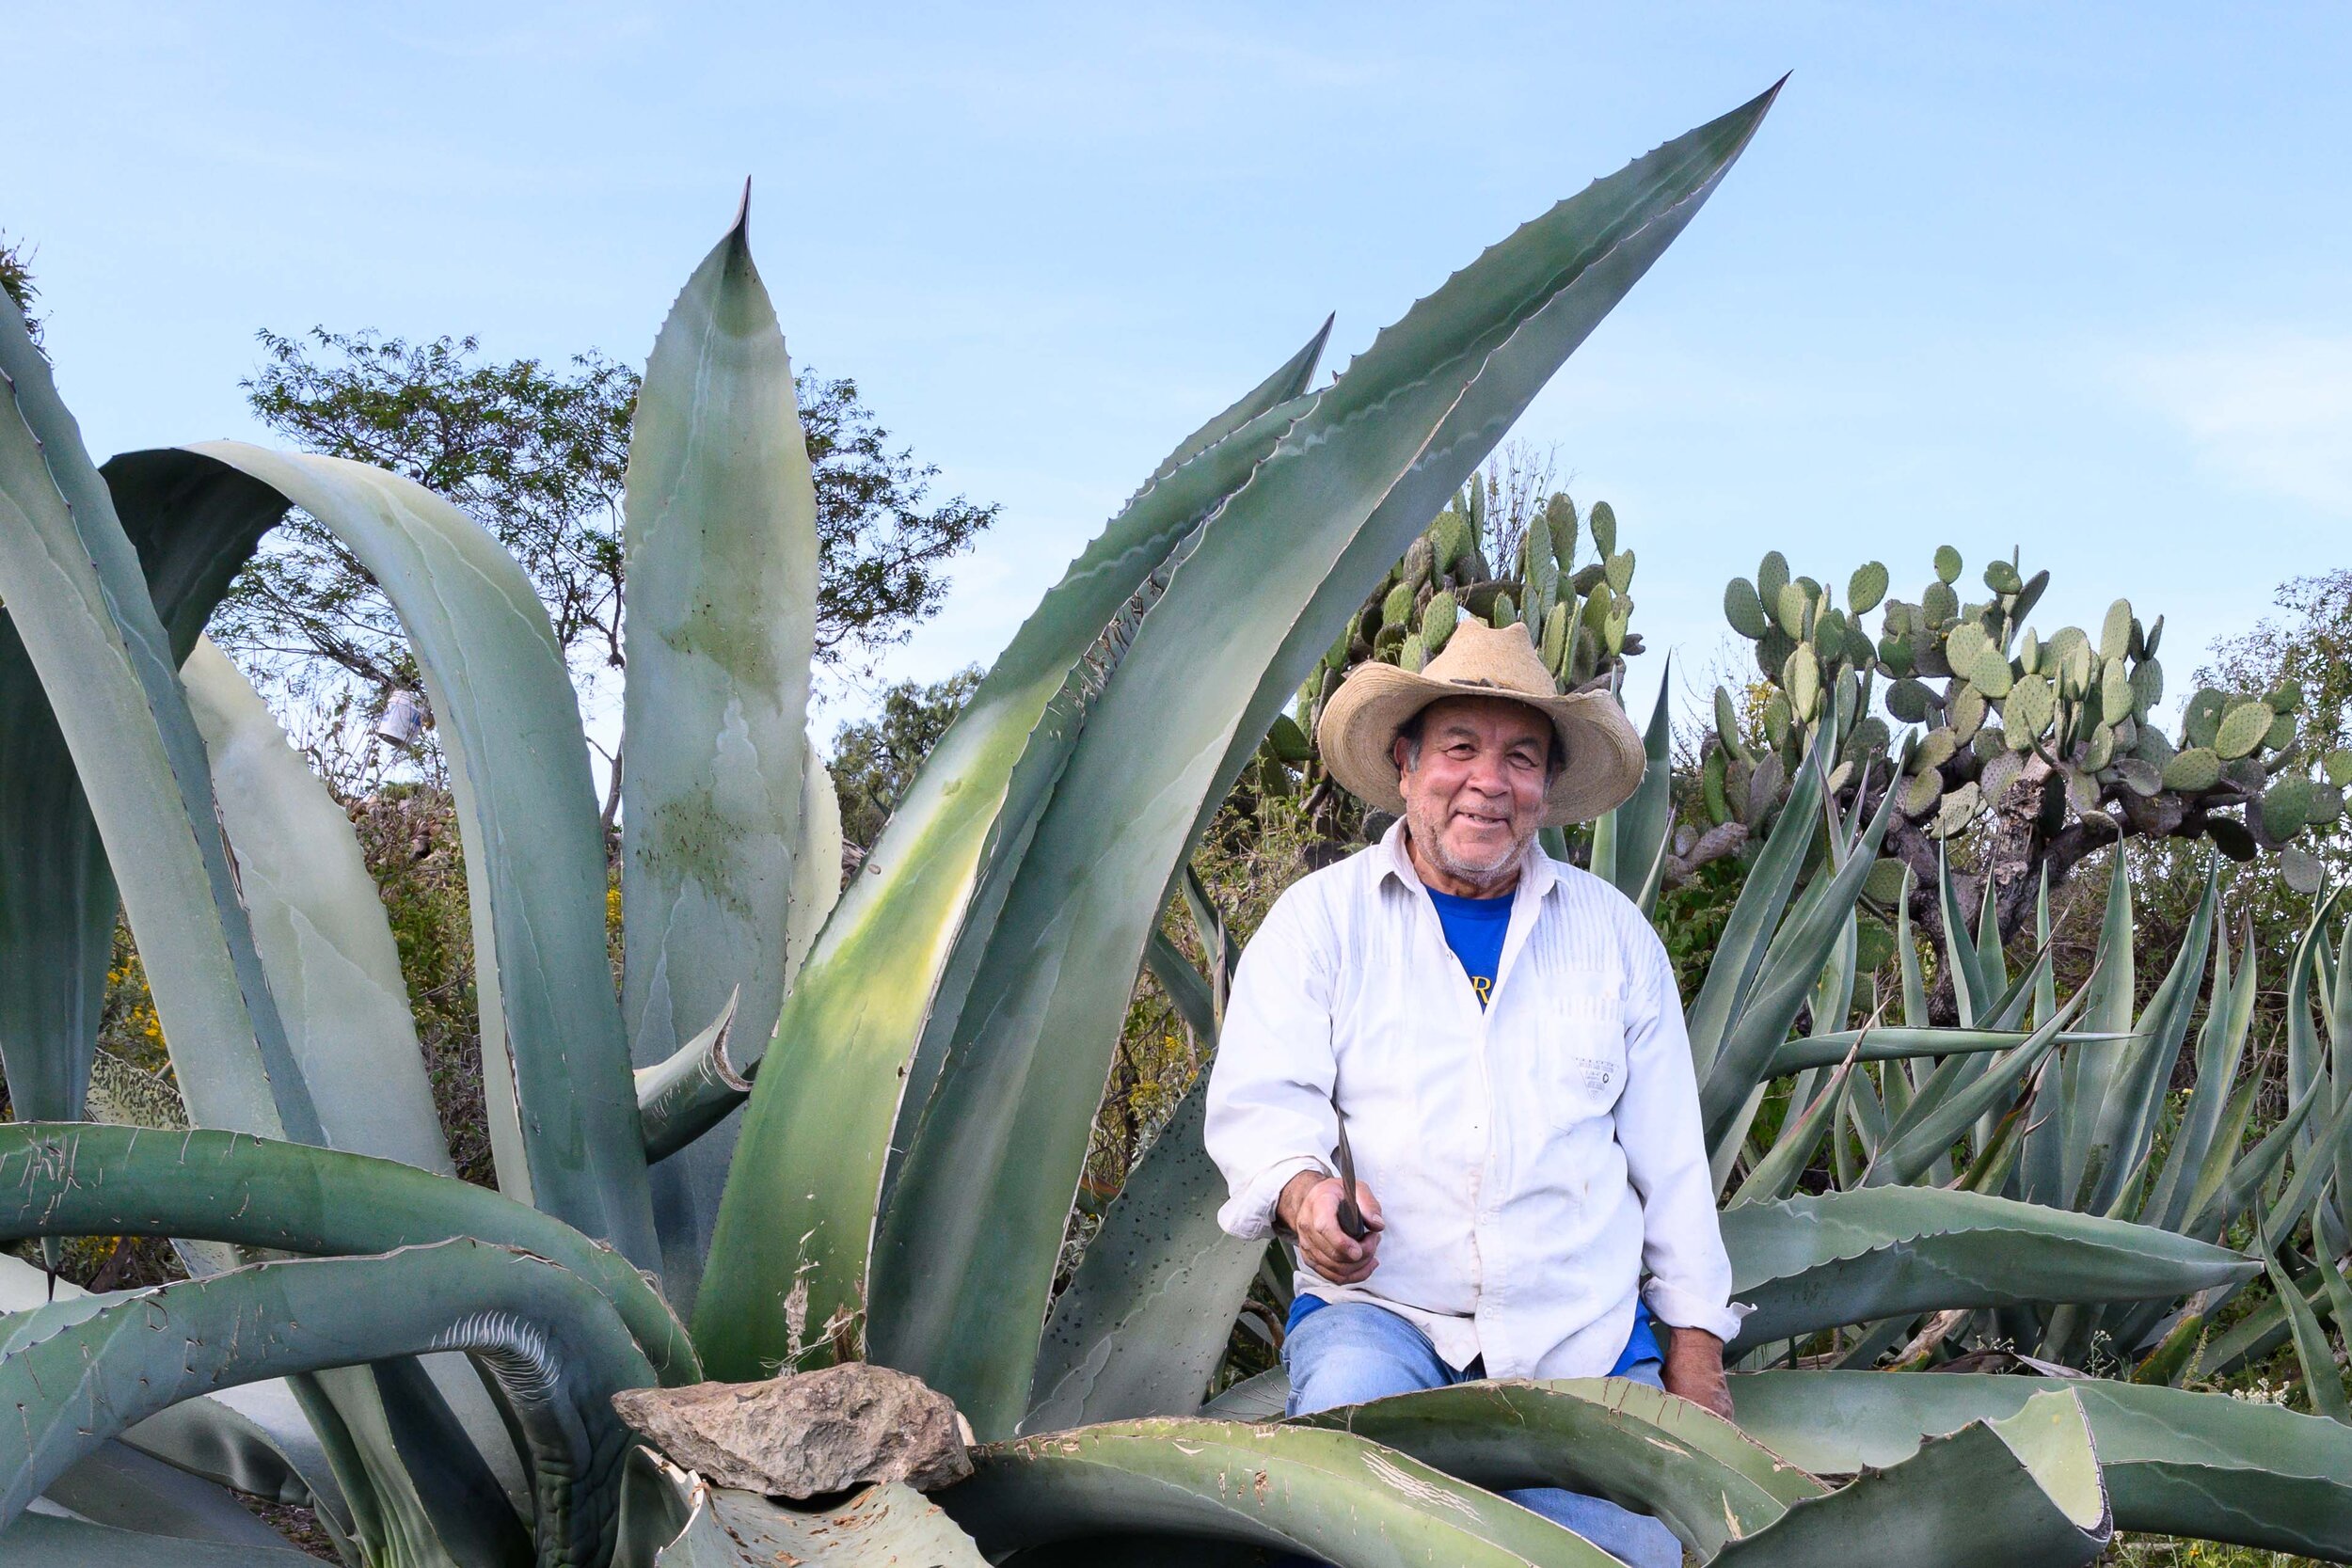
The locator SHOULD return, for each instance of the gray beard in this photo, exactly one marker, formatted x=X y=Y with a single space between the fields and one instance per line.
x=1428 y=835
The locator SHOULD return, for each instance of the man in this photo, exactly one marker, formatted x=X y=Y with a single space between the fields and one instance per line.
x=1501 y=1032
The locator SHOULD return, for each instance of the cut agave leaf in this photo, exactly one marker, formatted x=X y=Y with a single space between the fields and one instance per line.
x=1811 y=1263
x=881 y=1527
x=1333 y=1498
x=965 y=1250
x=2021 y=1488
x=2174 y=1462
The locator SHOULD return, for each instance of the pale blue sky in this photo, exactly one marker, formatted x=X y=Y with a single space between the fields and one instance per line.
x=2075 y=279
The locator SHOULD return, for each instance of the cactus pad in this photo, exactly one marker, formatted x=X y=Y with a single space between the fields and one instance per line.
x=2115 y=632
x=1989 y=672
x=1560 y=521
x=1921 y=792
x=1939 y=603
x=1967 y=712
x=2286 y=806
x=1887 y=882
x=1602 y=521
x=2200 y=720
x=1618 y=572
x=1789 y=607
x=2029 y=707
x=1865 y=588
x=2339 y=767
x=1959 y=808
x=1772 y=576
x=1947 y=564
x=1743 y=608
x=2001 y=576
x=2193 y=772
x=2282 y=732
x=2243 y=728
x=1909 y=701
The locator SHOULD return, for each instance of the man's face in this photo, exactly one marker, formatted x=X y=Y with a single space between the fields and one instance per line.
x=1475 y=796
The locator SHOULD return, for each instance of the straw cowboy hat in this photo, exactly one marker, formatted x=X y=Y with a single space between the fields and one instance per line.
x=1359 y=723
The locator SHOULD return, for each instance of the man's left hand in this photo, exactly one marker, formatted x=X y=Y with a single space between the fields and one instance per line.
x=1694 y=1368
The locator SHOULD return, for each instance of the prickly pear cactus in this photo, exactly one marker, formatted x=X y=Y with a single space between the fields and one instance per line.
x=2035 y=733
x=1579 y=613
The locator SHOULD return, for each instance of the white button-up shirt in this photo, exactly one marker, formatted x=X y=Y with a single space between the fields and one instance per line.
x=1532 y=1158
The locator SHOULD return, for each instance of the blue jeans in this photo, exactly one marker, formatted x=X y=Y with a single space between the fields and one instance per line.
x=1351 y=1352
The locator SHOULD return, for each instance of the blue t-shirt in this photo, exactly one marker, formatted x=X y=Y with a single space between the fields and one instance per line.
x=1474 y=928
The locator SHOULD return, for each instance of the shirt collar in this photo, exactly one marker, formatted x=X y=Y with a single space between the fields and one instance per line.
x=1538 y=873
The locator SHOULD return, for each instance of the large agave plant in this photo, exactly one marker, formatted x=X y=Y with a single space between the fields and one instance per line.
x=429 y=1364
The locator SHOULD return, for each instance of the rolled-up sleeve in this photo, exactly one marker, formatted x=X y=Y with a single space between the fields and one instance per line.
x=1269 y=1111
x=1666 y=1152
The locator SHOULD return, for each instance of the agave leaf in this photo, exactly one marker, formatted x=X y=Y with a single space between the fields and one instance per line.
x=122 y=1488
x=2090 y=1072
x=535 y=851
x=1747 y=934
x=1192 y=996
x=1332 y=1497
x=1810 y=1263
x=1643 y=824
x=1756 y=1035
x=554 y=1344
x=2219 y=1052
x=694 y=1090
x=319 y=923
x=254 y=1439
x=1927 y=1131
x=721 y=545
x=881 y=1527
x=80 y=607
x=2322 y=1383
x=1146 y=1318
x=2021 y=1488
x=1973 y=987
x=1640 y=1447
x=2134 y=1097
x=965 y=1253
x=816 y=1140
x=2175 y=1463
x=66 y=1180
x=1890 y=1043
x=48 y=1541
x=2246 y=1178
x=1775 y=1176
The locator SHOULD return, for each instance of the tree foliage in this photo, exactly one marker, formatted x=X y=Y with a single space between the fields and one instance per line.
x=537 y=453
x=875 y=759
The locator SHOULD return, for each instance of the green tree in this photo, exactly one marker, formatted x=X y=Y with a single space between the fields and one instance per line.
x=537 y=453
x=16 y=280
x=875 y=759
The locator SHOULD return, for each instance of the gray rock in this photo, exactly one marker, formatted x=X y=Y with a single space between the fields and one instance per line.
x=805 y=1433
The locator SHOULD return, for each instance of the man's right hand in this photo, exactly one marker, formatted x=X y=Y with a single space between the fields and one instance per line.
x=1310 y=1209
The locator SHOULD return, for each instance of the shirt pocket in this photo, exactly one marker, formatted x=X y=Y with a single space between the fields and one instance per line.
x=1581 y=1063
